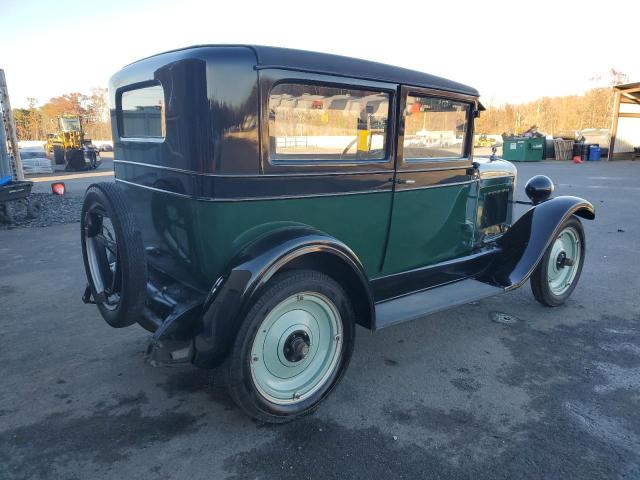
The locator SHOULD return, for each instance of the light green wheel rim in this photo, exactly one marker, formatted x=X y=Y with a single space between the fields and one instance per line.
x=560 y=275
x=277 y=376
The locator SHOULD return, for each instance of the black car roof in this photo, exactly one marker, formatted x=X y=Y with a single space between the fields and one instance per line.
x=303 y=60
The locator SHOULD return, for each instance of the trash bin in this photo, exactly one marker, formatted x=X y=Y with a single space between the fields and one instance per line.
x=577 y=149
x=523 y=149
x=581 y=149
x=549 y=149
x=594 y=152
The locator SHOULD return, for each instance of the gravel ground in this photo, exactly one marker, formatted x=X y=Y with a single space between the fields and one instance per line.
x=55 y=210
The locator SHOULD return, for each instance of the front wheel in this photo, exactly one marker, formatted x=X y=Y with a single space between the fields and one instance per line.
x=559 y=270
x=292 y=348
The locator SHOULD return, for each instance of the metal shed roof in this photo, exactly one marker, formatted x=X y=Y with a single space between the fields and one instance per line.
x=630 y=92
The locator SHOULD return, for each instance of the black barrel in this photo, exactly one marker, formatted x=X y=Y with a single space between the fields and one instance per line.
x=577 y=149
x=584 y=152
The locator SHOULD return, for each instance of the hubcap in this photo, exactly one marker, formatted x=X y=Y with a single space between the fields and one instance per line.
x=564 y=261
x=296 y=348
x=102 y=254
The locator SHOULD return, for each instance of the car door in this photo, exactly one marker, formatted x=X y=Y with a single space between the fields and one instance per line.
x=435 y=184
x=327 y=159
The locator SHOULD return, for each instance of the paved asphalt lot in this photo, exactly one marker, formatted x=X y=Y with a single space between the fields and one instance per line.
x=553 y=394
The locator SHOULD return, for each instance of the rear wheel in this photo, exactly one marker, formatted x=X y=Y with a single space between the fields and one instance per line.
x=559 y=270
x=113 y=255
x=292 y=348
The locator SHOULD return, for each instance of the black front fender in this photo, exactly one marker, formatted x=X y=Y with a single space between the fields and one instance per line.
x=249 y=272
x=525 y=243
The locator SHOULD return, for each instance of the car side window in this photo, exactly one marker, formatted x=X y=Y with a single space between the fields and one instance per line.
x=142 y=113
x=434 y=128
x=309 y=122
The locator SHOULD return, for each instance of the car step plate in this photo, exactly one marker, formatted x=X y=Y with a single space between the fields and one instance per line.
x=419 y=304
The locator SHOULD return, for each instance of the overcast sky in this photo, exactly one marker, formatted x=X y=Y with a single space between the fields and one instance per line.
x=510 y=51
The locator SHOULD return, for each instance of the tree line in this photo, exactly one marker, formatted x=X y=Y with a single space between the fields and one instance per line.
x=37 y=121
x=558 y=116
x=552 y=115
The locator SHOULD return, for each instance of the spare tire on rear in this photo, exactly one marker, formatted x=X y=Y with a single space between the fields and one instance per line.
x=113 y=255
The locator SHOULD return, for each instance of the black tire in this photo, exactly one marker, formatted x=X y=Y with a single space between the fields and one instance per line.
x=34 y=209
x=58 y=155
x=130 y=277
x=539 y=280
x=93 y=164
x=74 y=158
x=237 y=368
x=7 y=213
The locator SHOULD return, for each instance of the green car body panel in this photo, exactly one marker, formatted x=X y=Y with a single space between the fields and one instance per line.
x=205 y=235
x=225 y=228
x=430 y=225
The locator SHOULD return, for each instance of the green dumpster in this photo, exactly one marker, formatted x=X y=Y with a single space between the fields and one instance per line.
x=523 y=149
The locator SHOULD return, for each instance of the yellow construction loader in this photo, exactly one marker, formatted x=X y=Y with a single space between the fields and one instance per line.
x=69 y=147
x=484 y=141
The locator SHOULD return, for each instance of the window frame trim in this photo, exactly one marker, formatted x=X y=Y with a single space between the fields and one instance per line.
x=119 y=118
x=437 y=162
x=270 y=78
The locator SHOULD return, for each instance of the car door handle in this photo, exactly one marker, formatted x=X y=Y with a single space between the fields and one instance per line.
x=402 y=181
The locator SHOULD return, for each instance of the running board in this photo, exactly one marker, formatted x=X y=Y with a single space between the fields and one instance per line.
x=423 y=303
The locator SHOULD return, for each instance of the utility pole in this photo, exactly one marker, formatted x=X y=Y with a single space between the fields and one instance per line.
x=5 y=162
x=10 y=129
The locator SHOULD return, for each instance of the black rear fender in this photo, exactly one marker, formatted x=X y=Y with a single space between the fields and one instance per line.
x=249 y=272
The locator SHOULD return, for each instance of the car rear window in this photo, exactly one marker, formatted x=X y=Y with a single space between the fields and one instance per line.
x=142 y=113
x=327 y=123
x=434 y=128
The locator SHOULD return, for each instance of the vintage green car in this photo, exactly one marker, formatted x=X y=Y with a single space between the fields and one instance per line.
x=267 y=200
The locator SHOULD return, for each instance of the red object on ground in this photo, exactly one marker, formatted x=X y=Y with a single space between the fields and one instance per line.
x=57 y=188
x=577 y=159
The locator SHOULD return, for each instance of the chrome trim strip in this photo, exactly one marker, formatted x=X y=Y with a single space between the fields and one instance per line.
x=248 y=199
x=257 y=175
x=435 y=160
x=292 y=197
x=291 y=174
x=154 y=189
x=310 y=163
x=142 y=139
x=159 y=167
x=435 y=169
x=400 y=190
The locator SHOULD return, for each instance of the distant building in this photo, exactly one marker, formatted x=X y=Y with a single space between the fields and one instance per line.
x=625 y=125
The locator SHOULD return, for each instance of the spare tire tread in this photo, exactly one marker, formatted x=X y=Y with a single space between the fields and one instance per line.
x=131 y=255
